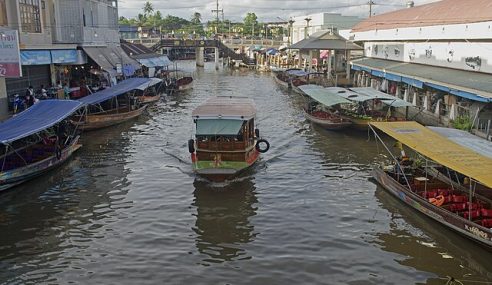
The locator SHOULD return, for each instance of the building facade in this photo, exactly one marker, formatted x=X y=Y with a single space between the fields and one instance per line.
x=57 y=37
x=436 y=56
x=304 y=26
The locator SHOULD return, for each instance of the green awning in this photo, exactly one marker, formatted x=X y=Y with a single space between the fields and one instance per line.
x=324 y=96
x=221 y=127
x=387 y=99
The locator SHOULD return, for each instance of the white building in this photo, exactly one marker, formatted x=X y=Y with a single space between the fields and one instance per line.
x=437 y=56
x=304 y=26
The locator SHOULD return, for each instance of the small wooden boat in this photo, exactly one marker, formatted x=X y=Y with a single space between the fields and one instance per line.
x=111 y=106
x=451 y=200
x=226 y=141
x=32 y=145
x=285 y=78
x=321 y=107
x=149 y=93
x=177 y=81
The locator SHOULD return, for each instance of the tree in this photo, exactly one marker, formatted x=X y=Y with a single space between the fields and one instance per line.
x=196 y=18
x=148 y=8
x=251 y=24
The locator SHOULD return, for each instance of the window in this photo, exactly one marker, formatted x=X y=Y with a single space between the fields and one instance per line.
x=3 y=13
x=30 y=16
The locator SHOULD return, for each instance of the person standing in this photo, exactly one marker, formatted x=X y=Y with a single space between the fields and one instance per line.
x=44 y=92
x=66 y=90
x=29 y=98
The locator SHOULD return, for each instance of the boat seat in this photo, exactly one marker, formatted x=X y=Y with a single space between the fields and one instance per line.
x=444 y=192
x=459 y=198
x=486 y=223
x=458 y=207
x=486 y=212
x=474 y=214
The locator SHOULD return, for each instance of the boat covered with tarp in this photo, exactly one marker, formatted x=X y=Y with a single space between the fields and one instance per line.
x=37 y=140
x=226 y=141
x=321 y=107
x=370 y=105
x=150 y=92
x=112 y=106
x=444 y=180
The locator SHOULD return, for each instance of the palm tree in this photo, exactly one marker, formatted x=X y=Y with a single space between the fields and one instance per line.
x=148 y=8
x=196 y=18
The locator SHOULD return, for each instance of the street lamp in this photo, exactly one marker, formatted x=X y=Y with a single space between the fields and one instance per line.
x=291 y=22
x=306 y=34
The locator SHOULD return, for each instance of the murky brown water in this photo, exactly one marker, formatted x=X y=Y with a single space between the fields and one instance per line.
x=127 y=209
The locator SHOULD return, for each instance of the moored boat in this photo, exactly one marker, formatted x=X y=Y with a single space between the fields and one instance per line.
x=111 y=106
x=321 y=108
x=371 y=106
x=452 y=201
x=226 y=140
x=37 y=140
x=149 y=92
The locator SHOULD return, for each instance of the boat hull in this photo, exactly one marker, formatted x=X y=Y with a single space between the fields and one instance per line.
x=471 y=230
x=220 y=170
x=94 y=122
x=11 y=178
x=328 y=124
x=149 y=100
x=281 y=82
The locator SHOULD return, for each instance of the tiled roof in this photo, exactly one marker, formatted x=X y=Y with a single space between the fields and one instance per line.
x=438 y=13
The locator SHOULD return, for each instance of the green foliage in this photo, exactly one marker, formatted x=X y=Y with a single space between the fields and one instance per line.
x=251 y=26
x=463 y=123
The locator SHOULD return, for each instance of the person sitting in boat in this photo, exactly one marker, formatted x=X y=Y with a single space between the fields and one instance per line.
x=404 y=162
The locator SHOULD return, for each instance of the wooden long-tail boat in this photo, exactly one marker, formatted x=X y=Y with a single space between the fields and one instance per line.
x=111 y=106
x=37 y=140
x=321 y=107
x=226 y=141
x=428 y=185
x=150 y=92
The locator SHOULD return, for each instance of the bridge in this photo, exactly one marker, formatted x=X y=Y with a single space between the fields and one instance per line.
x=234 y=49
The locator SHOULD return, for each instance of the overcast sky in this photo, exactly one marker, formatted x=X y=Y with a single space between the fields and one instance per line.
x=266 y=10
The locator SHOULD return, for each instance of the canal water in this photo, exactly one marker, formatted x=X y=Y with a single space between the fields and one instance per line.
x=127 y=208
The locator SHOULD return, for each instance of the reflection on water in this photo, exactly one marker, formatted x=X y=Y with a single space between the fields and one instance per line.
x=222 y=219
x=45 y=219
x=429 y=246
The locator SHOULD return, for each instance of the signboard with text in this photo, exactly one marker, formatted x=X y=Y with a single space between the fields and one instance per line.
x=9 y=54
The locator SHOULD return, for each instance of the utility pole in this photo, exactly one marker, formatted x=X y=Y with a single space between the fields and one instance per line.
x=217 y=16
x=370 y=7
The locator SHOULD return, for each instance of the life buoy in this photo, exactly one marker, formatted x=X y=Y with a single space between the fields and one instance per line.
x=259 y=149
x=191 y=146
x=58 y=152
x=438 y=201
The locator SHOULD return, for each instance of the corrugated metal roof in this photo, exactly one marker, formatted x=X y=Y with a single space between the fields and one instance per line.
x=473 y=82
x=438 y=13
x=226 y=106
x=325 y=41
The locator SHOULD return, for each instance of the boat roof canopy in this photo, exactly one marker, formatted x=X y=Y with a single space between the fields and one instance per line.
x=230 y=107
x=119 y=89
x=323 y=95
x=297 y=72
x=214 y=127
x=151 y=82
x=440 y=149
x=477 y=144
x=38 y=117
x=371 y=93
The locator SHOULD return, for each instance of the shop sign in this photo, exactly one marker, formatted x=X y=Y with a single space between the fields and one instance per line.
x=9 y=54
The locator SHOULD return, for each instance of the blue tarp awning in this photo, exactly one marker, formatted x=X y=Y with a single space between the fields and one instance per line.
x=64 y=56
x=160 y=61
x=35 y=57
x=38 y=117
x=392 y=77
x=120 y=88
